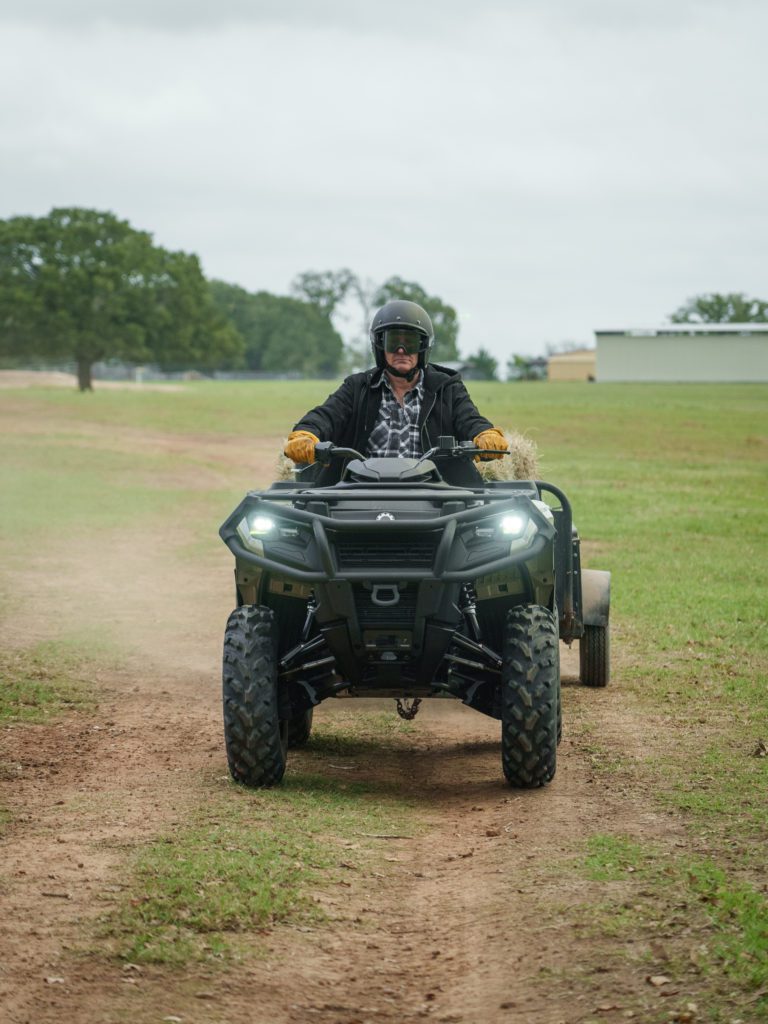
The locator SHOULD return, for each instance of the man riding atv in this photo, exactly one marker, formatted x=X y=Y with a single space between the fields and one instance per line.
x=400 y=407
x=390 y=568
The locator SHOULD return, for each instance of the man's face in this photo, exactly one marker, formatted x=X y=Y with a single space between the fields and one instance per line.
x=401 y=348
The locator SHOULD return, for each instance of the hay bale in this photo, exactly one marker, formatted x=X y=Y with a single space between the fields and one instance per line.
x=521 y=464
x=285 y=469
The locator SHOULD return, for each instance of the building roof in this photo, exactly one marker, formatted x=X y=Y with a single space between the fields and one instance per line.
x=577 y=355
x=672 y=329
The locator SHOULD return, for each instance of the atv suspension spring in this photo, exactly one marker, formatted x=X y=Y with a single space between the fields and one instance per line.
x=311 y=609
x=470 y=609
x=408 y=709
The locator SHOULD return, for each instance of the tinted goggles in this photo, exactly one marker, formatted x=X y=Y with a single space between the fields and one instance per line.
x=411 y=342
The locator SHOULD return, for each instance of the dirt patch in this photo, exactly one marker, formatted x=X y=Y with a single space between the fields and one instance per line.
x=453 y=925
x=193 y=462
x=57 y=379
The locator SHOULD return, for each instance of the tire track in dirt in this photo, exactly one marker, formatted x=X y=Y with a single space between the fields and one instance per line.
x=465 y=925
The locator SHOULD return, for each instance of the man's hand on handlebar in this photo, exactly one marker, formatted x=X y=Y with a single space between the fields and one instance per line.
x=300 y=446
x=493 y=443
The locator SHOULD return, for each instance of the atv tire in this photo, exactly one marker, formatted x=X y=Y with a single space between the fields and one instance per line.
x=299 y=729
x=595 y=656
x=255 y=736
x=530 y=693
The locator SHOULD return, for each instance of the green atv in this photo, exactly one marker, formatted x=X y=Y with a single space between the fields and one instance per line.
x=394 y=582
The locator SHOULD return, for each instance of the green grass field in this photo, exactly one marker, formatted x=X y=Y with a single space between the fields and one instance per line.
x=669 y=486
x=667 y=482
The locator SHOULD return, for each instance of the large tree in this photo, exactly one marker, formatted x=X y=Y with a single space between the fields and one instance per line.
x=82 y=284
x=331 y=291
x=444 y=318
x=717 y=308
x=281 y=334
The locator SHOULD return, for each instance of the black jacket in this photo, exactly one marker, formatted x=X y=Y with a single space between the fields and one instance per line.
x=348 y=415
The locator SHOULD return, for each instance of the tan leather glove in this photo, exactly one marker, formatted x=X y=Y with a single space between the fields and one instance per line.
x=300 y=446
x=492 y=438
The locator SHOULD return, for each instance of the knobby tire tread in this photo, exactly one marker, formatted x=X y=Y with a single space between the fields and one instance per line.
x=530 y=694
x=254 y=735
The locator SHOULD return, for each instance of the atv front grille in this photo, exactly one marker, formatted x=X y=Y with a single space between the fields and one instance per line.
x=393 y=616
x=377 y=551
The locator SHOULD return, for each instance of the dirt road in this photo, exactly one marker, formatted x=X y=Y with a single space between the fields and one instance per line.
x=459 y=926
x=468 y=921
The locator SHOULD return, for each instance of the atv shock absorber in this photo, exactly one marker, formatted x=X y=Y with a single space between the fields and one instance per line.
x=311 y=609
x=469 y=608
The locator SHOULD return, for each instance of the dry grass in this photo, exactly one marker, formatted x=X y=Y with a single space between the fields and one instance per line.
x=522 y=463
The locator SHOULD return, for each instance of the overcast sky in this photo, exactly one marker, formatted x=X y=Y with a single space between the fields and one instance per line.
x=548 y=168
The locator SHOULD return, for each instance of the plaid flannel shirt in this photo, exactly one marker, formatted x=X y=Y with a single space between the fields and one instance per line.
x=396 y=433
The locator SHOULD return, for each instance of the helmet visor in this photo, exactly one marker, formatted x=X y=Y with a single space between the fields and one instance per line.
x=404 y=338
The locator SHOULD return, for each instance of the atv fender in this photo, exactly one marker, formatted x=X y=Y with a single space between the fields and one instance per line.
x=595 y=597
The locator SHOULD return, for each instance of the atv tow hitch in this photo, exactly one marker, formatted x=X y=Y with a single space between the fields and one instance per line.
x=408 y=709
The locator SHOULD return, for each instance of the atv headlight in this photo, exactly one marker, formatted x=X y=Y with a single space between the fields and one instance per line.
x=513 y=525
x=252 y=528
x=260 y=526
x=519 y=529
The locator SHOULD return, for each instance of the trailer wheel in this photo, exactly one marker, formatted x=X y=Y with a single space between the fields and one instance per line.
x=255 y=736
x=595 y=656
x=530 y=691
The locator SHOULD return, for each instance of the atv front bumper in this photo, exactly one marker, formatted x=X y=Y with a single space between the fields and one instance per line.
x=367 y=543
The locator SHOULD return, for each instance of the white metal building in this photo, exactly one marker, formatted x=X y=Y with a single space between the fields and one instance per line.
x=684 y=352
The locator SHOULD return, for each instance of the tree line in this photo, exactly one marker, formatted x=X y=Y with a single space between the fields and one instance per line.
x=85 y=286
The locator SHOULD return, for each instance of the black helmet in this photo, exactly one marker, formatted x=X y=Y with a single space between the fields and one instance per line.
x=400 y=313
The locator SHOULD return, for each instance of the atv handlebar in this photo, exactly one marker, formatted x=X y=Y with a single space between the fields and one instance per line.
x=447 y=445
x=325 y=451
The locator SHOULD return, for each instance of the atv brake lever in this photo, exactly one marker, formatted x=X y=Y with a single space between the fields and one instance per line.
x=426 y=455
x=462 y=448
x=326 y=451
x=439 y=450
